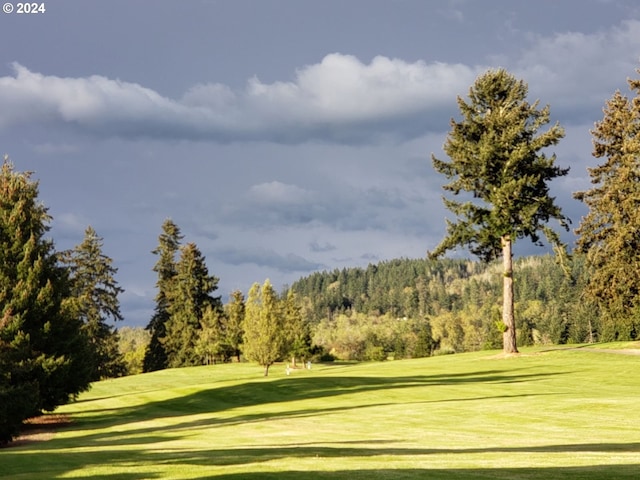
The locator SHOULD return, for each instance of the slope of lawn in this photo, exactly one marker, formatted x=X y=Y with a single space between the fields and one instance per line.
x=566 y=413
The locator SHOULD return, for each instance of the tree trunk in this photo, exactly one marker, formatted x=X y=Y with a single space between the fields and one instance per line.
x=266 y=370
x=509 y=335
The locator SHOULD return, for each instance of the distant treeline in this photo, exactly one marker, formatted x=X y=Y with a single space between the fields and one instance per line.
x=454 y=302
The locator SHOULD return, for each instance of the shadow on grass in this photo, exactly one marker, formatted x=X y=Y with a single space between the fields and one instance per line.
x=279 y=391
x=260 y=393
x=568 y=473
x=175 y=431
x=252 y=457
x=596 y=472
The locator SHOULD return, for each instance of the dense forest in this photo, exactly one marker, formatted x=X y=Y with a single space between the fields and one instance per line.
x=443 y=306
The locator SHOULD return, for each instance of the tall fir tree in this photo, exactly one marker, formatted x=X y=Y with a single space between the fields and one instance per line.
x=263 y=326
x=94 y=292
x=610 y=232
x=497 y=159
x=17 y=381
x=42 y=345
x=190 y=298
x=168 y=245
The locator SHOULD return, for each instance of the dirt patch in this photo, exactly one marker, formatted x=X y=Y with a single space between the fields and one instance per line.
x=501 y=356
x=39 y=429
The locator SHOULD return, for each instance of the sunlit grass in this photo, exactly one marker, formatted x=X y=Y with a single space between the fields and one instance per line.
x=541 y=415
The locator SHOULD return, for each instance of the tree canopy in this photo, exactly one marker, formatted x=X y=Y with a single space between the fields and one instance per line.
x=94 y=296
x=497 y=159
x=168 y=245
x=264 y=336
x=610 y=232
x=43 y=348
x=190 y=298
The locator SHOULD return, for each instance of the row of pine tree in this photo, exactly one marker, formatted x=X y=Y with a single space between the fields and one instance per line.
x=191 y=326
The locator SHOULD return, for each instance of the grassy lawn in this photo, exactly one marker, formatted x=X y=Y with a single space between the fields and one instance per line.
x=551 y=414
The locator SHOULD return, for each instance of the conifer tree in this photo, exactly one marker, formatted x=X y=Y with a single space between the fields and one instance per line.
x=42 y=346
x=94 y=292
x=610 y=232
x=168 y=245
x=190 y=298
x=17 y=381
x=263 y=326
x=497 y=159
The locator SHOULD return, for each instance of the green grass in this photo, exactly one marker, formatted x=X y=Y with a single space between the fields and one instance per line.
x=553 y=414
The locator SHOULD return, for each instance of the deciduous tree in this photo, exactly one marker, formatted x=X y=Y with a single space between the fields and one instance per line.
x=233 y=333
x=263 y=326
x=210 y=346
x=132 y=344
x=296 y=329
x=497 y=159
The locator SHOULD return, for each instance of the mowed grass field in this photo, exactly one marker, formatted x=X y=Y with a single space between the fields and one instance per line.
x=554 y=414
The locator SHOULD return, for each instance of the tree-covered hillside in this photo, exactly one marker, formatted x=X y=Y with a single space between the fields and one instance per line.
x=455 y=302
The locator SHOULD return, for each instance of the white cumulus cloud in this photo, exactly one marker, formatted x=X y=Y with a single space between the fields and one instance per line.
x=341 y=98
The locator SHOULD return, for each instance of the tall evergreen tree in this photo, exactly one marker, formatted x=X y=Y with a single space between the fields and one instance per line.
x=168 y=245
x=189 y=299
x=94 y=292
x=263 y=326
x=17 y=380
x=610 y=232
x=42 y=346
x=496 y=156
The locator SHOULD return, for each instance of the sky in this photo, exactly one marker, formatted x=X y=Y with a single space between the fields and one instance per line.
x=283 y=137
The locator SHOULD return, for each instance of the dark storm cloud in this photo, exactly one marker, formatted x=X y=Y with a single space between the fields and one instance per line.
x=273 y=205
x=317 y=247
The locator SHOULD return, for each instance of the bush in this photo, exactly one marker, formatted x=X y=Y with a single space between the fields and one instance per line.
x=325 y=357
x=443 y=351
x=375 y=353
